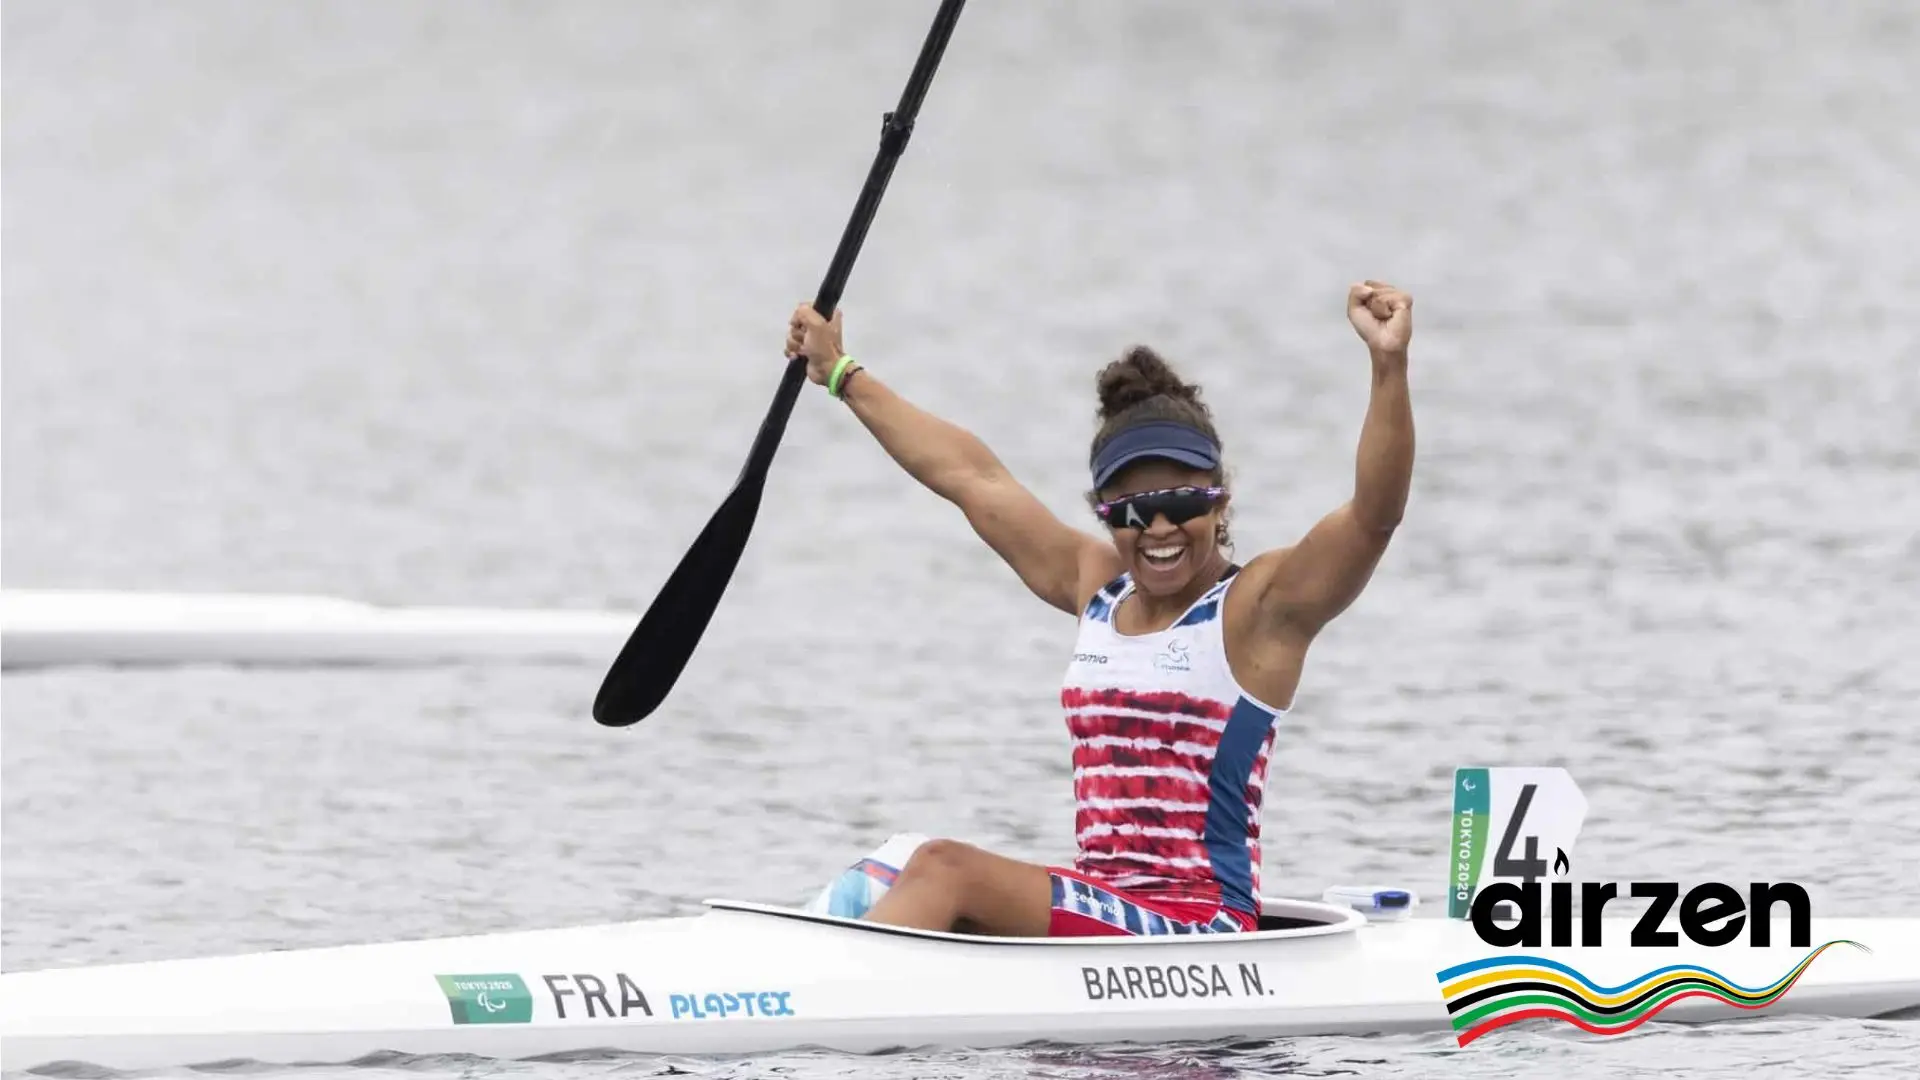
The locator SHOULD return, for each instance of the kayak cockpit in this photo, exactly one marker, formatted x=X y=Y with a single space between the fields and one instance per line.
x=1280 y=918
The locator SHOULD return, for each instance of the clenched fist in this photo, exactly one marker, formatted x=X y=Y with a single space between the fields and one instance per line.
x=1382 y=315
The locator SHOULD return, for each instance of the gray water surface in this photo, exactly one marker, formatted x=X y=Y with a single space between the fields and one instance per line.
x=481 y=304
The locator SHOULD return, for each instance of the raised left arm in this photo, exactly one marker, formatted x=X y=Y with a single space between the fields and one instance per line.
x=1310 y=583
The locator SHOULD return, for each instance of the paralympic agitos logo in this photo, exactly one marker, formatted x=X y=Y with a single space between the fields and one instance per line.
x=1507 y=913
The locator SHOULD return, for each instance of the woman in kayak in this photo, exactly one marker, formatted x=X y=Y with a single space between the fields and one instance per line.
x=1184 y=659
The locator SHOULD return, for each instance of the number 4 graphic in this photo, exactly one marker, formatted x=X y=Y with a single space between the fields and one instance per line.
x=1504 y=864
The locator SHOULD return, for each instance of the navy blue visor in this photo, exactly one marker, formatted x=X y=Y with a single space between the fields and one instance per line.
x=1155 y=439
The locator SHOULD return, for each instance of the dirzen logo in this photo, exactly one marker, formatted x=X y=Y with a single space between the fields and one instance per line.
x=1498 y=888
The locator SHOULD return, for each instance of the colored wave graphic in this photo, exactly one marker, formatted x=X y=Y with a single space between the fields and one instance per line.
x=1486 y=994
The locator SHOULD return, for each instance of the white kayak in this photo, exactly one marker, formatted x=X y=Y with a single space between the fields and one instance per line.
x=746 y=977
x=61 y=627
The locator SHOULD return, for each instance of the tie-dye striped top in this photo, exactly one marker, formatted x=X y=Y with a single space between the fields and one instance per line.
x=1169 y=756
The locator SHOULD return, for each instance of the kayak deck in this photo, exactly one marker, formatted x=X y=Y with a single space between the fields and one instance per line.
x=746 y=977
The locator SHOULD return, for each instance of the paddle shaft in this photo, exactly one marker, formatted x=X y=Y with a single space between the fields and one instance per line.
x=659 y=648
x=895 y=129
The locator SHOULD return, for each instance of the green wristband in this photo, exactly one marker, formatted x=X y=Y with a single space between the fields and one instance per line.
x=838 y=377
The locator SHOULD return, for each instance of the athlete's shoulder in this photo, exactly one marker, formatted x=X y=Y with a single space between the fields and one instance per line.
x=1099 y=606
x=1250 y=588
x=1259 y=572
x=1101 y=576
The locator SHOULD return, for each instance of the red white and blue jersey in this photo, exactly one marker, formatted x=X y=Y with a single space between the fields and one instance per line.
x=1169 y=756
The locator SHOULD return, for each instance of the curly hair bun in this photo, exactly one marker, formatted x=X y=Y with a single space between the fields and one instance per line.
x=1139 y=375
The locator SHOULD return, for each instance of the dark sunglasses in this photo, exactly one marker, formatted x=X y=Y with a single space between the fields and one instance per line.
x=1180 y=505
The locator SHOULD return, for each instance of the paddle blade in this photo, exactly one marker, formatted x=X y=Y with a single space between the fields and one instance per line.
x=659 y=648
x=661 y=645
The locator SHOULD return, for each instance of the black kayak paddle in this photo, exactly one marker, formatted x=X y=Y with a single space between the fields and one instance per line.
x=659 y=648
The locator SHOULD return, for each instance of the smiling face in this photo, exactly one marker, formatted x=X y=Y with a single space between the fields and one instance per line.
x=1163 y=557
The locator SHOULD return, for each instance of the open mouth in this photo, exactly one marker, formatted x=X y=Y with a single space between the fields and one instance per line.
x=1164 y=558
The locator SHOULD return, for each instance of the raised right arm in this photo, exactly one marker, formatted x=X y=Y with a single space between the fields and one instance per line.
x=1061 y=564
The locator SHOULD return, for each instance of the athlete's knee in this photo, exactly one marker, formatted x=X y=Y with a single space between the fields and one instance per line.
x=938 y=860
